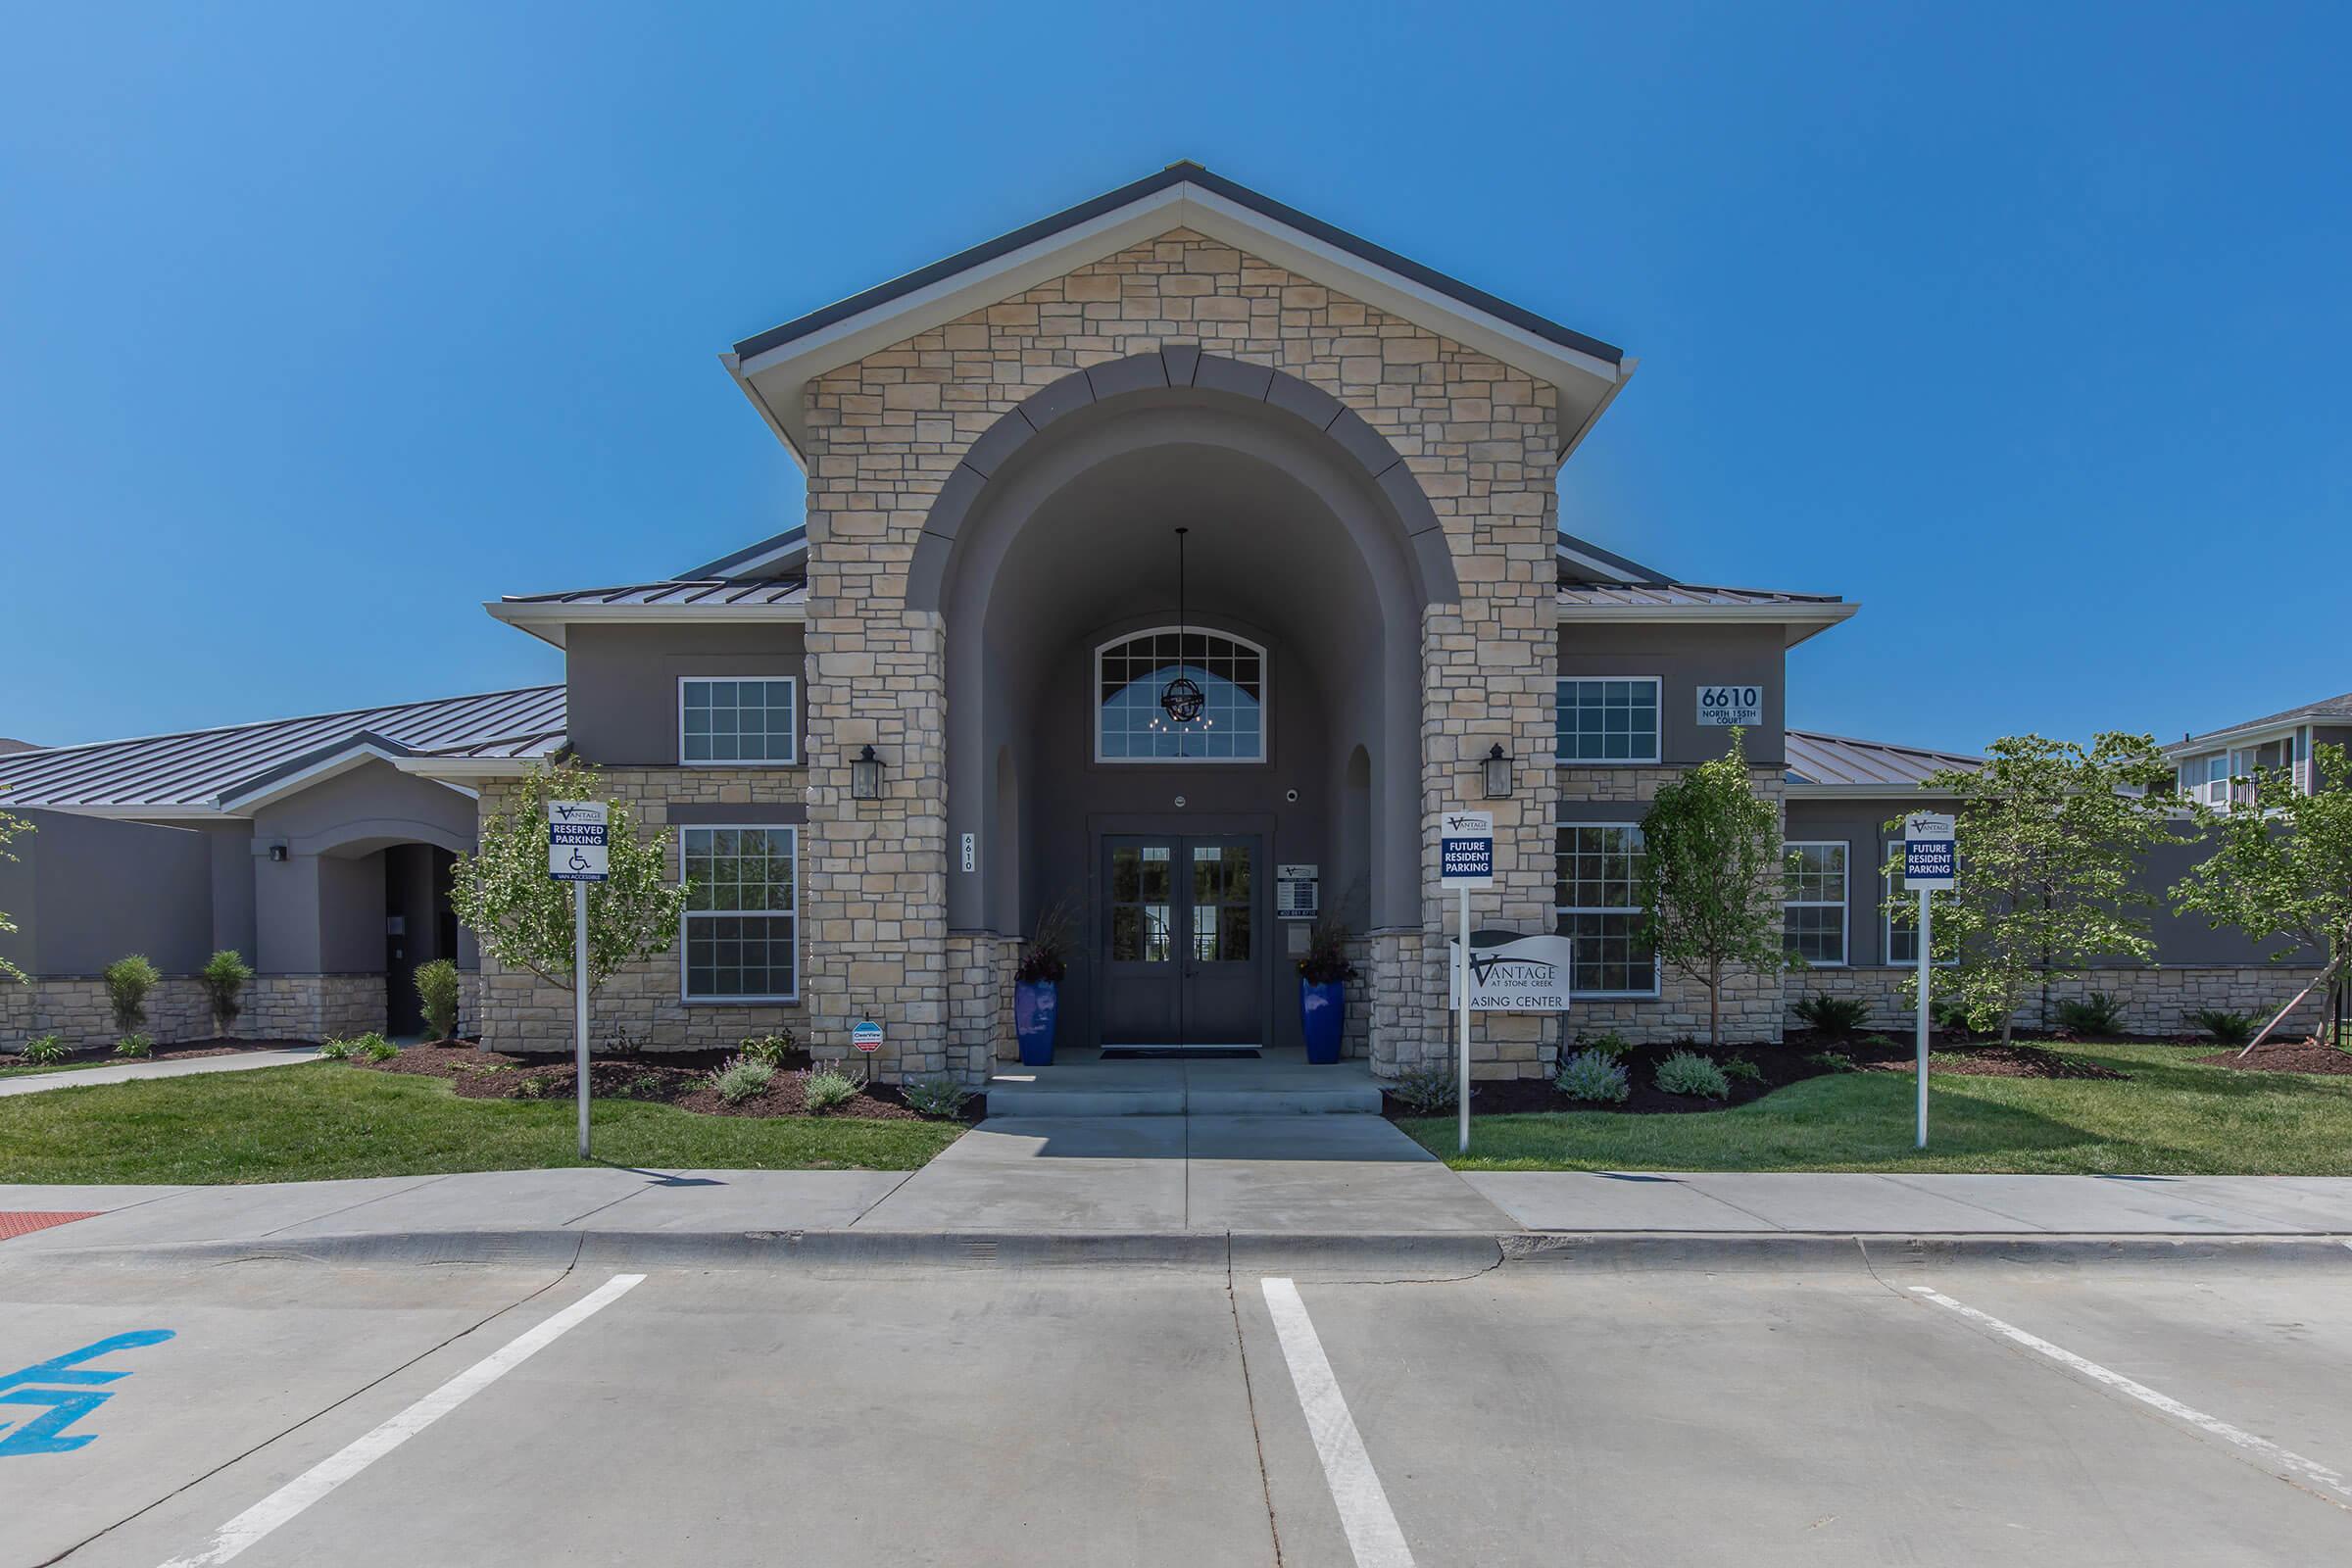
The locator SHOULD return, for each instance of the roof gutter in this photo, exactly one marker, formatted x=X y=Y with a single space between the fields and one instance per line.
x=1813 y=620
x=548 y=622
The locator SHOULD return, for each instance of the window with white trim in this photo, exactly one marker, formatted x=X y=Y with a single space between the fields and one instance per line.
x=738 y=719
x=1813 y=902
x=742 y=923
x=1607 y=719
x=1901 y=923
x=1596 y=870
x=1130 y=674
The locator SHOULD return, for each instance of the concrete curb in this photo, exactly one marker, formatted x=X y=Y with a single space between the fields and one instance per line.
x=1398 y=1256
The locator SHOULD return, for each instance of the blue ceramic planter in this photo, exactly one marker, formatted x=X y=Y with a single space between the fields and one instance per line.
x=1323 y=1017
x=1036 y=1004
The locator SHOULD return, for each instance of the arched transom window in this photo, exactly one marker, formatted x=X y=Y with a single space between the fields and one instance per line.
x=1131 y=672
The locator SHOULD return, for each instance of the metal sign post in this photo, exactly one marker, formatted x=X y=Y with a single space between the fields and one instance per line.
x=579 y=853
x=1930 y=859
x=1465 y=860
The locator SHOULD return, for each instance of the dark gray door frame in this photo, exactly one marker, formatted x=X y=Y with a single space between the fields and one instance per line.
x=1180 y=824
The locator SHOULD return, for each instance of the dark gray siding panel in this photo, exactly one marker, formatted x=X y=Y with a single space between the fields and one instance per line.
x=622 y=706
x=102 y=889
x=1685 y=656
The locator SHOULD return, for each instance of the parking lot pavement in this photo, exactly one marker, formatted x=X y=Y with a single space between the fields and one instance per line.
x=1955 y=1412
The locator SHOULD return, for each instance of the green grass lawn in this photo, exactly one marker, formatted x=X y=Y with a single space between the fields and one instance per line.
x=308 y=1122
x=2174 y=1116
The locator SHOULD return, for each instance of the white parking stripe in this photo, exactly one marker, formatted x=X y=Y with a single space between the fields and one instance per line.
x=1372 y=1533
x=331 y=1472
x=2285 y=1460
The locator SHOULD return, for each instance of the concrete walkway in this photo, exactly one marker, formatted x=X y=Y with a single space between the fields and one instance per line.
x=1187 y=1179
x=125 y=1072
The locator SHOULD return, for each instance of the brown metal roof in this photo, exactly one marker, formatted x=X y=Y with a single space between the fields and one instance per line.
x=193 y=768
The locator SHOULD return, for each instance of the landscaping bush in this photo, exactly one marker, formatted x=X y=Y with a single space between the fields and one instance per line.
x=225 y=977
x=2226 y=1028
x=770 y=1050
x=136 y=1047
x=337 y=1051
x=742 y=1079
x=1596 y=1076
x=1687 y=1072
x=44 y=1050
x=128 y=982
x=825 y=1086
x=375 y=1048
x=2095 y=1014
x=1609 y=1043
x=937 y=1096
x=437 y=994
x=1951 y=1012
x=1429 y=1088
x=1834 y=1017
x=1832 y=1061
x=1746 y=1071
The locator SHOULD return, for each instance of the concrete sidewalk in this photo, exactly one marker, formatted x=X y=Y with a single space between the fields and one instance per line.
x=1187 y=1180
x=125 y=1072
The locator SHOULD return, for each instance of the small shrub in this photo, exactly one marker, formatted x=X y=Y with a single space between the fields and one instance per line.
x=1886 y=1042
x=1951 y=1012
x=645 y=1086
x=742 y=1079
x=531 y=1087
x=136 y=1047
x=44 y=1050
x=225 y=976
x=825 y=1086
x=1429 y=1088
x=127 y=983
x=437 y=994
x=2095 y=1014
x=380 y=1050
x=2226 y=1028
x=1687 y=1072
x=1595 y=1076
x=1831 y=1061
x=1834 y=1017
x=1746 y=1071
x=1609 y=1043
x=770 y=1050
x=337 y=1051
x=938 y=1096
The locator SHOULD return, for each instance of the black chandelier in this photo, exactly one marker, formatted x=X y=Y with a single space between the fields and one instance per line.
x=1181 y=699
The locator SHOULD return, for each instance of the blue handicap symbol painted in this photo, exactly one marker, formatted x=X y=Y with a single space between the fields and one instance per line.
x=66 y=1404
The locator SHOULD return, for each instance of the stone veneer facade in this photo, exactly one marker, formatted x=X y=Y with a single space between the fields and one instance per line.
x=277 y=1006
x=641 y=1006
x=2159 y=1000
x=1479 y=437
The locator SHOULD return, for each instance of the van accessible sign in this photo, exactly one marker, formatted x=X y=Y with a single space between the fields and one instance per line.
x=1514 y=973
x=1931 y=852
x=577 y=847
x=1466 y=849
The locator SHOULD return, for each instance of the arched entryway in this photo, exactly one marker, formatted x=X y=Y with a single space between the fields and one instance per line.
x=1313 y=557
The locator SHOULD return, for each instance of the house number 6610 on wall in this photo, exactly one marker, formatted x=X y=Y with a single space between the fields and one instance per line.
x=1731 y=704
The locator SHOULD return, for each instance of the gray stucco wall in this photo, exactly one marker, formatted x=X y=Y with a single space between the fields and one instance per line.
x=1684 y=658
x=621 y=682
x=321 y=910
x=85 y=891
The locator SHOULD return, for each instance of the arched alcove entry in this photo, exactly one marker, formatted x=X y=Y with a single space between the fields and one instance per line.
x=1308 y=538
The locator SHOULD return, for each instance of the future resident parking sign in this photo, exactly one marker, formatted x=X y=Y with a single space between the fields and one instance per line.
x=1930 y=844
x=1466 y=849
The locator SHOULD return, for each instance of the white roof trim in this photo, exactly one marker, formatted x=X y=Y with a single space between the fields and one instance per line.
x=775 y=381
x=2220 y=740
x=182 y=812
x=1802 y=620
x=547 y=620
x=450 y=769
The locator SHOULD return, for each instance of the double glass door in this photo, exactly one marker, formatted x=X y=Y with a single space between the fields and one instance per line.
x=1181 y=935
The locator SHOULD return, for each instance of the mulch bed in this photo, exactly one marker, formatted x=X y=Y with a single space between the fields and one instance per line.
x=185 y=1050
x=680 y=1078
x=1803 y=1054
x=2292 y=1055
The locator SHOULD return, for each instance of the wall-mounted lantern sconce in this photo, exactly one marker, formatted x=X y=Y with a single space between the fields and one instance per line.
x=866 y=776
x=1499 y=775
x=278 y=851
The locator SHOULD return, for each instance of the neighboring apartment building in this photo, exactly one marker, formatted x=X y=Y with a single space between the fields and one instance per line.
x=1162 y=557
x=2218 y=767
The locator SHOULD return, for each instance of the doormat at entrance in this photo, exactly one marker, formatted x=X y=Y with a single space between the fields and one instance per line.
x=24 y=1221
x=1178 y=1053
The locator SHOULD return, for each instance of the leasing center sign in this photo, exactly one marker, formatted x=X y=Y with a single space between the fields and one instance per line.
x=1514 y=973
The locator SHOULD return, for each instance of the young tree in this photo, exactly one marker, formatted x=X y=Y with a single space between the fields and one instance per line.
x=10 y=827
x=2049 y=836
x=1710 y=876
x=225 y=977
x=2282 y=871
x=522 y=918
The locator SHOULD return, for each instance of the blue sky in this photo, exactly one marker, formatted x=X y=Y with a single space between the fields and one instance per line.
x=2026 y=326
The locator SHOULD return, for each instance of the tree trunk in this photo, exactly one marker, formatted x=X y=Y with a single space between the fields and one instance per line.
x=1715 y=1003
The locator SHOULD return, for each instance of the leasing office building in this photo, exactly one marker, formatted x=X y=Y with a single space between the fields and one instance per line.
x=886 y=743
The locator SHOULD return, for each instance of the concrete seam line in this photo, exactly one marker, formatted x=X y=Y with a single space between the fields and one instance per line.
x=2296 y=1467
x=331 y=1472
x=1365 y=1513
